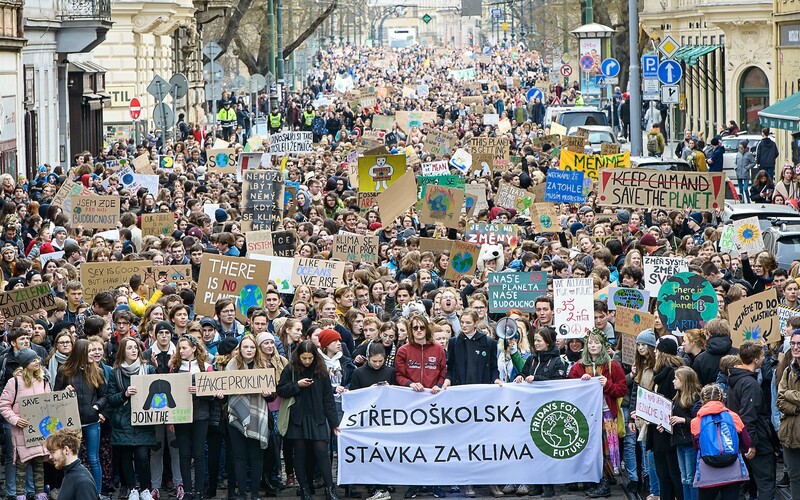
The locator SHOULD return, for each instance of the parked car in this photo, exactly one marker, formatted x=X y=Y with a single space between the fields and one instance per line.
x=598 y=134
x=582 y=116
x=553 y=112
x=768 y=214
x=782 y=239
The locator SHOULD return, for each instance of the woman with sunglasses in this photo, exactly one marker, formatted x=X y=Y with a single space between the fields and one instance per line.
x=191 y=357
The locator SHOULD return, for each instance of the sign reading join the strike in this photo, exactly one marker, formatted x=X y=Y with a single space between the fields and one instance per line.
x=661 y=189
x=573 y=301
x=95 y=212
x=235 y=382
x=473 y=434
x=290 y=142
x=686 y=301
x=243 y=280
x=658 y=269
x=515 y=291
x=162 y=398
x=591 y=165
x=47 y=413
x=26 y=301
x=317 y=273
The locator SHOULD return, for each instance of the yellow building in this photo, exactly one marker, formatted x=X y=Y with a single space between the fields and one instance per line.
x=727 y=59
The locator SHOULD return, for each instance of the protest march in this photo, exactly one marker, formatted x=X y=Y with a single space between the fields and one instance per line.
x=416 y=288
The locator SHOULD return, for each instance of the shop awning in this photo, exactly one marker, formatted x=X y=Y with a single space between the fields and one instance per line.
x=784 y=114
x=690 y=54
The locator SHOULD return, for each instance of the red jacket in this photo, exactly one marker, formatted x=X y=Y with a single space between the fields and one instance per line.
x=615 y=387
x=426 y=364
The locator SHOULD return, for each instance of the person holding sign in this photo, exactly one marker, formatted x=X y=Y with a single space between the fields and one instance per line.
x=191 y=357
x=131 y=444
x=250 y=422
x=28 y=380
x=595 y=362
x=312 y=414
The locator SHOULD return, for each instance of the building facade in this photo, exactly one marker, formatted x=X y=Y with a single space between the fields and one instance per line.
x=727 y=59
x=12 y=152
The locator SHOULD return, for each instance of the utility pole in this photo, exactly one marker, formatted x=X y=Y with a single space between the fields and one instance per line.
x=272 y=55
x=635 y=78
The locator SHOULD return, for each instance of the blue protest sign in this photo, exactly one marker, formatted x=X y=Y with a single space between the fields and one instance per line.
x=564 y=186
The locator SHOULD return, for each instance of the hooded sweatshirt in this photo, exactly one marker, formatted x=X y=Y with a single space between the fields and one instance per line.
x=426 y=364
x=706 y=364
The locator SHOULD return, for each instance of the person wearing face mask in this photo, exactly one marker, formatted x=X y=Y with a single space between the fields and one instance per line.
x=596 y=363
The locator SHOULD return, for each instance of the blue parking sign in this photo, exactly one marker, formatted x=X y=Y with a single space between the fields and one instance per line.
x=650 y=66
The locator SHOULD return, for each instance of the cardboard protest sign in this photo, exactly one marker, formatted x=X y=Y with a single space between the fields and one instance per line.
x=317 y=273
x=284 y=243
x=47 y=413
x=672 y=190
x=633 y=298
x=401 y=195
x=491 y=119
x=382 y=122
x=242 y=279
x=377 y=173
x=158 y=224
x=439 y=143
x=544 y=218
x=627 y=345
x=492 y=151
x=658 y=269
x=280 y=271
x=441 y=205
x=632 y=321
x=462 y=160
x=435 y=245
x=463 y=259
x=355 y=247
x=175 y=275
x=591 y=165
x=608 y=148
x=573 y=143
x=755 y=318
x=162 y=398
x=99 y=276
x=573 y=304
x=475 y=199
x=235 y=382
x=262 y=199
x=509 y=196
x=222 y=161
x=259 y=242
x=537 y=190
x=564 y=186
x=95 y=212
x=558 y=129
x=653 y=408
x=515 y=291
x=747 y=235
x=435 y=168
x=290 y=142
x=26 y=301
x=479 y=233
x=142 y=164
x=64 y=195
x=686 y=301
x=407 y=119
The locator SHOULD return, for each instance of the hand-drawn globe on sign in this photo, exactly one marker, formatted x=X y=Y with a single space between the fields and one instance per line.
x=685 y=301
x=127 y=179
x=49 y=425
x=249 y=296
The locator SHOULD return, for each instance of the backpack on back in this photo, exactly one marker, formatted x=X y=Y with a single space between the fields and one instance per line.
x=652 y=143
x=719 y=441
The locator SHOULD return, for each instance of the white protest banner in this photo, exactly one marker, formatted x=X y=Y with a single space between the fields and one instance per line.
x=47 y=413
x=435 y=168
x=162 y=399
x=786 y=313
x=317 y=273
x=747 y=235
x=473 y=434
x=653 y=408
x=259 y=242
x=658 y=269
x=573 y=300
x=726 y=242
x=43 y=259
x=280 y=270
x=235 y=382
x=290 y=142
x=633 y=298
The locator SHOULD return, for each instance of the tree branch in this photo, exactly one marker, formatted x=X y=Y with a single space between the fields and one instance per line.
x=246 y=56
x=232 y=26
x=310 y=30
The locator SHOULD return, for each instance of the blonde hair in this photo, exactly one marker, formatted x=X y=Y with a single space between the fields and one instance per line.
x=687 y=395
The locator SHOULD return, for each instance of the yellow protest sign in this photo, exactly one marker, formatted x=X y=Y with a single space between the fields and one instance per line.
x=590 y=165
x=376 y=173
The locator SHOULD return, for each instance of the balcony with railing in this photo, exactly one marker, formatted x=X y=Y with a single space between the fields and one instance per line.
x=84 y=24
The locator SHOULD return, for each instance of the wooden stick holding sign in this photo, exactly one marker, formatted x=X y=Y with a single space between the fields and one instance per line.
x=235 y=382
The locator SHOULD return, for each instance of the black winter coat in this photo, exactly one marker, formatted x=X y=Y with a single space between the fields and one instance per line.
x=314 y=411
x=664 y=384
x=746 y=399
x=88 y=396
x=483 y=350
x=122 y=432
x=367 y=376
x=706 y=364
x=545 y=365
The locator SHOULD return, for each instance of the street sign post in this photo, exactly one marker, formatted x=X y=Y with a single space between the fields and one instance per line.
x=650 y=66
x=566 y=71
x=669 y=72
x=255 y=83
x=159 y=88
x=212 y=51
x=610 y=67
x=163 y=117
x=534 y=93
x=135 y=108
x=651 y=89
x=670 y=94
x=669 y=47
x=180 y=87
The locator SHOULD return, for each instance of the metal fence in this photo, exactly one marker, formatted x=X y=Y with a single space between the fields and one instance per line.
x=85 y=9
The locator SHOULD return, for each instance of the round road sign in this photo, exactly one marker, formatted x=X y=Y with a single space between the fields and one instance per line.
x=566 y=70
x=587 y=62
x=135 y=108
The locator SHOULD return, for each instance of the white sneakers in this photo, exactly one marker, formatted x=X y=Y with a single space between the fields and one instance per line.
x=145 y=495
x=134 y=495
x=380 y=495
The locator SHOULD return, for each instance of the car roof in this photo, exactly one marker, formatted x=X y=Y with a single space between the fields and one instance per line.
x=652 y=160
x=760 y=208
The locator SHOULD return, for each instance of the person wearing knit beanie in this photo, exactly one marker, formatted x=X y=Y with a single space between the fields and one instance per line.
x=327 y=337
x=165 y=325
x=226 y=346
x=646 y=337
x=26 y=356
x=263 y=337
x=668 y=344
